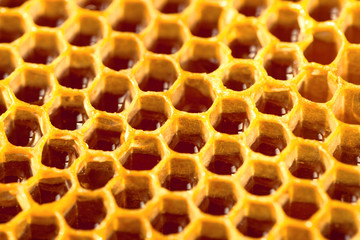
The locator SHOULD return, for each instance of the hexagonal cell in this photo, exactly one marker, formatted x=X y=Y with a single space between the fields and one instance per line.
x=240 y=77
x=32 y=85
x=12 y=26
x=48 y=190
x=135 y=192
x=96 y=174
x=95 y=5
x=86 y=213
x=324 y=46
x=261 y=178
x=318 y=85
x=251 y=8
x=173 y=216
x=12 y=3
x=340 y=224
x=149 y=113
x=204 y=20
x=300 y=201
x=121 y=52
x=346 y=106
x=45 y=227
x=59 y=153
x=201 y=57
x=171 y=6
x=105 y=134
x=348 y=65
x=324 y=10
x=307 y=162
x=50 y=13
x=129 y=227
x=156 y=74
x=144 y=154
x=277 y=102
x=76 y=70
x=165 y=37
x=179 y=174
x=344 y=186
x=86 y=30
x=244 y=40
x=312 y=123
x=16 y=168
x=112 y=94
x=211 y=230
x=218 y=198
x=193 y=95
x=9 y=206
x=130 y=16
x=351 y=25
x=41 y=47
x=256 y=220
x=345 y=146
x=22 y=128
x=224 y=157
x=8 y=62
x=282 y=63
x=269 y=138
x=230 y=116
x=186 y=135
x=68 y=112
x=284 y=24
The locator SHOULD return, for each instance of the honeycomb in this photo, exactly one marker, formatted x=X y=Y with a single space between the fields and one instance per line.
x=179 y=119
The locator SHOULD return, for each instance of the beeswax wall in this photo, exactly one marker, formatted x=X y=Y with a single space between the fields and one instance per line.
x=179 y=119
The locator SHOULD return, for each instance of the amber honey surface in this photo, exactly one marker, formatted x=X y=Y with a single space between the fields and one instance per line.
x=179 y=119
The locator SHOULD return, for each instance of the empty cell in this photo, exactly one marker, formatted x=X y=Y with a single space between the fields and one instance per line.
x=257 y=220
x=204 y=21
x=85 y=31
x=128 y=228
x=12 y=26
x=324 y=47
x=194 y=95
x=156 y=74
x=59 y=153
x=86 y=213
x=240 y=77
x=120 y=52
x=211 y=230
x=8 y=63
x=94 y=175
x=219 y=199
x=103 y=139
x=171 y=6
x=345 y=148
x=50 y=13
x=48 y=190
x=341 y=225
x=250 y=8
x=323 y=10
x=187 y=143
x=285 y=25
x=16 y=168
x=9 y=206
x=180 y=174
x=32 y=85
x=41 y=47
x=130 y=16
x=112 y=94
x=76 y=70
x=344 y=187
x=282 y=64
x=135 y=193
x=23 y=128
x=94 y=5
x=69 y=114
x=39 y=228
x=201 y=57
x=350 y=26
x=276 y=103
x=348 y=65
x=173 y=218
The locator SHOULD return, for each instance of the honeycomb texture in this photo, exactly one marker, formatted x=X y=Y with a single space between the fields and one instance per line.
x=179 y=119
